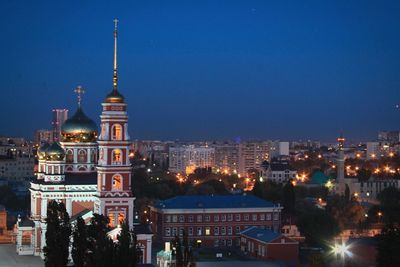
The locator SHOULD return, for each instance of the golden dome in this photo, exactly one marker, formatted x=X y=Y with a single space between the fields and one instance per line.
x=79 y=128
x=114 y=97
x=55 y=152
x=41 y=152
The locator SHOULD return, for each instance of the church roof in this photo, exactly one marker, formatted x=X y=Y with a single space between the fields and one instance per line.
x=74 y=179
x=26 y=223
x=319 y=178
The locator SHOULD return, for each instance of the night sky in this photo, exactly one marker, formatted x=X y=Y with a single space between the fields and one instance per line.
x=199 y=70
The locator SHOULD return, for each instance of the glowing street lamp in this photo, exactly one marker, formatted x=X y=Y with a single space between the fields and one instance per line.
x=341 y=250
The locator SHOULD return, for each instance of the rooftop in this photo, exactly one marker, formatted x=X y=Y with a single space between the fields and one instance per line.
x=74 y=179
x=214 y=202
x=263 y=235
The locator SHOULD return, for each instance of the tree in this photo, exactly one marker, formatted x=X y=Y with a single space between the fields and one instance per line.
x=390 y=205
x=100 y=246
x=348 y=214
x=183 y=252
x=347 y=193
x=126 y=256
x=58 y=234
x=389 y=247
x=363 y=175
x=316 y=260
x=289 y=198
x=79 y=243
x=317 y=225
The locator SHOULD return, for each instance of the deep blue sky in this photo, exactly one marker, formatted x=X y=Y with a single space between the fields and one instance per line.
x=207 y=69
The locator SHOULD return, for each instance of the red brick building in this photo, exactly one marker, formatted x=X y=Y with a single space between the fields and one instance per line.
x=267 y=245
x=212 y=221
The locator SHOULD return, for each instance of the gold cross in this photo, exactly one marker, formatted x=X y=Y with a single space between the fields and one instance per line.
x=79 y=92
x=116 y=23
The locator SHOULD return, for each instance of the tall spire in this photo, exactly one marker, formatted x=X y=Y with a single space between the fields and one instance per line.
x=79 y=92
x=115 y=76
x=115 y=96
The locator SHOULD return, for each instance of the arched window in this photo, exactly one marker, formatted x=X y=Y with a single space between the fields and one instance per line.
x=117 y=157
x=116 y=132
x=82 y=156
x=121 y=218
x=93 y=154
x=116 y=218
x=70 y=156
x=117 y=182
x=101 y=154
x=111 y=219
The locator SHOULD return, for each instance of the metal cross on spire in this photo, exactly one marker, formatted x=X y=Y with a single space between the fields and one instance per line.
x=79 y=92
x=115 y=76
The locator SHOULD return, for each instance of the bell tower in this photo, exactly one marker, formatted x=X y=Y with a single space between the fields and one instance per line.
x=114 y=195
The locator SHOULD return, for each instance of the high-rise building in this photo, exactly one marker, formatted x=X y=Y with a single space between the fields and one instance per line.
x=59 y=117
x=227 y=157
x=279 y=148
x=391 y=137
x=43 y=136
x=252 y=155
x=186 y=158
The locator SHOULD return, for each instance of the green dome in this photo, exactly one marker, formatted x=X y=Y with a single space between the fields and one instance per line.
x=55 y=152
x=319 y=178
x=79 y=128
x=114 y=97
x=41 y=152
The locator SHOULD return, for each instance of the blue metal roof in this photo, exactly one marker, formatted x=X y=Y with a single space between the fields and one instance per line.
x=214 y=202
x=263 y=235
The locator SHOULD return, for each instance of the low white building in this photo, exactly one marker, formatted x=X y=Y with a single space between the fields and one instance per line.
x=278 y=171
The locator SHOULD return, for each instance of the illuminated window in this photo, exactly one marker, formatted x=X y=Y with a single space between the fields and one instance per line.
x=117 y=182
x=121 y=218
x=70 y=156
x=207 y=231
x=117 y=132
x=82 y=156
x=111 y=218
x=116 y=157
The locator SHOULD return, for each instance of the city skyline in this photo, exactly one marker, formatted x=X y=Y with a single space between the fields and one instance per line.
x=208 y=71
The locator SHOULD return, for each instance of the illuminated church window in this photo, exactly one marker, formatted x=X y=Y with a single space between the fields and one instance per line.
x=117 y=132
x=82 y=156
x=93 y=155
x=116 y=218
x=117 y=183
x=121 y=218
x=70 y=156
x=116 y=156
x=111 y=218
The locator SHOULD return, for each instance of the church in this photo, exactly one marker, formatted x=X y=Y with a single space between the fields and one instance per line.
x=89 y=171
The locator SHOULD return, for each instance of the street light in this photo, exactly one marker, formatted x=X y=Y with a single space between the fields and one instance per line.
x=341 y=250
